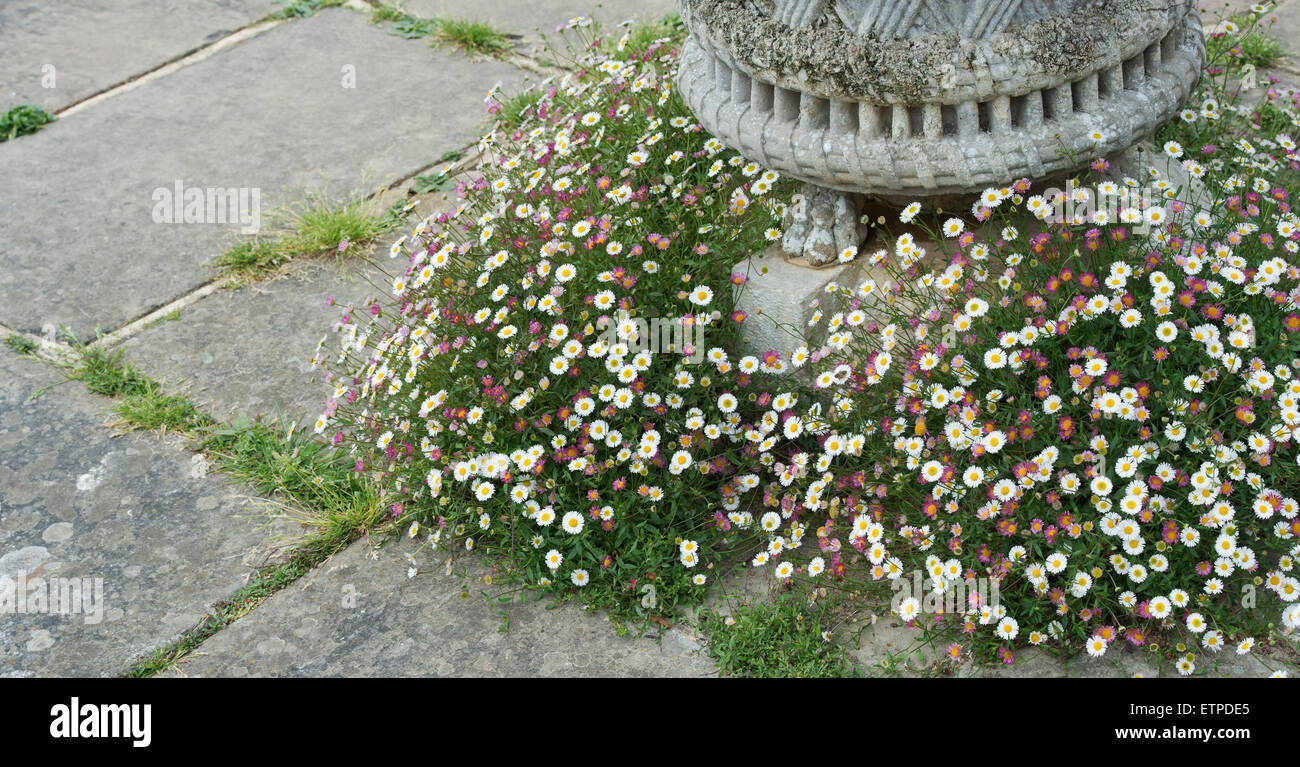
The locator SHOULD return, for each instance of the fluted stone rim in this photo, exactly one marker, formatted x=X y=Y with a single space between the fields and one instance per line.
x=1024 y=57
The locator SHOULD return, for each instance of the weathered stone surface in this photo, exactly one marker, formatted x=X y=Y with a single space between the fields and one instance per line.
x=1121 y=660
x=83 y=44
x=225 y=361
x=544 y=15
x=888 y=647
x=357 y=616
x=1283 y=23
x=273 y=113
x=822 y=225
x=780 y=297
x=138 y=514
x=946 y=112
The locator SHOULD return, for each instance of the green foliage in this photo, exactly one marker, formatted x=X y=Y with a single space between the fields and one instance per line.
x=288 y=462
x=21 y=344
x=22 y=120
x=473 y=37
x=298 y=9
x=315 y=227
x=251 y=260
x=1247 y=43
x=319 y=224
x=780 y=638
x=515 y=109
x=384 y=13
x=412 y=27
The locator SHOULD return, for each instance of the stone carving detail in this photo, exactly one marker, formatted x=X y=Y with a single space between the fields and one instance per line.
x=887 y=19
x=821 y=224
x=907 y=99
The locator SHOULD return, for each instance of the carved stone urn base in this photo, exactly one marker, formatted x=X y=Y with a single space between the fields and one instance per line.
x=821 y=225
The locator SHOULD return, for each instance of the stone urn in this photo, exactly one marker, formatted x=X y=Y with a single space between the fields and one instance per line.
x=903 y=100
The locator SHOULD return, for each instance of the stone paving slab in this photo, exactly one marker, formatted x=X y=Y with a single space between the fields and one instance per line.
x=1283 y=23
x=249 y=350
x=137 y=513
x=526 y=18
x=272 y=114
x=83 y=44
x=362 y=617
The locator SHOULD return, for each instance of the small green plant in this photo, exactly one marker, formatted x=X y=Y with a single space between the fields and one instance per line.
x=783 y=638
x=321 y=225
x=406 y=25
x=174 y=314
x=439 y=181
x=298 y=9
x=474 y=37
x=104 y=372
x=1244 y=43
x=250 y=260
x=434 y=182
x=385 y=13
x=451 y=155
x=285 y=460
x=143 y=404
x=22 y=120
x=21 y=344
x=154 y=410
x=412 y=27
x=317 y=226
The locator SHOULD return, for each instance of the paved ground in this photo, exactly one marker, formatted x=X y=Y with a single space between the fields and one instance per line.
x=360 y=616
x=275 y=116
x=54 y=54
x=149 y=539
x=215 y=97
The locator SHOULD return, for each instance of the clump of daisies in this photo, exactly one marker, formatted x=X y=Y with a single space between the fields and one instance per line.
x=1099 y=411
x=553 y=378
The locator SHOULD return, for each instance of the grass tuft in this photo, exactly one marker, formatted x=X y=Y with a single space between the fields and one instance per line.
x=318 y=226
x=250 y=260
x=104 y=372
x=776 y=639
x=473 y=37
x=21 y=344
x=143 y=403
x=384 y=13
